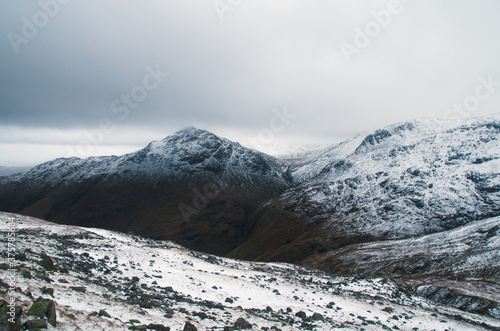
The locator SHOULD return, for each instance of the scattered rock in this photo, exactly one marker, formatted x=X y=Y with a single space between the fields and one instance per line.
x=158 y=327
x=189 y=327
x=317 y=317
x=44 y=308
x=7 y=314
x=47 y=263
x=35 y=324
x=104 y=313
x=49 y=291
x=81 y=289
x=301 y=315
x=388 y=310
x=241 y=323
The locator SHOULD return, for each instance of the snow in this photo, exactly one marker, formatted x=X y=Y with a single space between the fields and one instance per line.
x=200 y=277
x=405 y=180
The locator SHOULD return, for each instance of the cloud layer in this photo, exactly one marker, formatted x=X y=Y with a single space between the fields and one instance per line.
x=70 y=65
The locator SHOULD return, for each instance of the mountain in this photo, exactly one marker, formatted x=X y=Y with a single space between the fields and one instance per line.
x=192 y=187
x=207 y=193
x=407 y=180
x=8 y=171
x=93 y=279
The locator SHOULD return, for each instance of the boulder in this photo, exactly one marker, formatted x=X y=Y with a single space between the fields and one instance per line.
x=189 y=327
x=44 y=308
x=158 y=327
x=10 y=320
x=35 y=324
x=241 y=323
x=47 y=263
x=104 y=313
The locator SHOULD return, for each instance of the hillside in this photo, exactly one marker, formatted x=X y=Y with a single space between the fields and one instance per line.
x=192 y=187
x=407 y=180
x=99 y=279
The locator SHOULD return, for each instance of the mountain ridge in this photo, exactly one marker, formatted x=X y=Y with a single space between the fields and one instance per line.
x=405 y=180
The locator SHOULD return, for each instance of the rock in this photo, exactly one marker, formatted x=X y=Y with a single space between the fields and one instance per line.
x=26 y=274
x=241 y=323
x=81 y=289
x=317 y=317
x=158 y=327
x=7 y=316
x=301 y=315
x=104 y=313
x=44 y=308
x=189 y=327
x=229 y=300
x=51 y=314
x=138 y=327
x=49 y=291
x=21 y=256
x=47 y=263
x=228 y=328
x=35 y=324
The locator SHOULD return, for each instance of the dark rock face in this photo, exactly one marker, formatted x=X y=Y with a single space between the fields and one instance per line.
x=193 y=187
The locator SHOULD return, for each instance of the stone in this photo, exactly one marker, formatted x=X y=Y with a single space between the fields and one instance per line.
x=158 y=327
x=47 y=263
x=189 y=327
x=81 y=289
x=104 y=313
x=44 y=308
x=9 y=315
x=241 y=323
x=49 y=291
x=317 y=317
x=35 y=324
x=301 y=315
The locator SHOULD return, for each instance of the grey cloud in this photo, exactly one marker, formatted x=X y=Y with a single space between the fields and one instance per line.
x=232 y=73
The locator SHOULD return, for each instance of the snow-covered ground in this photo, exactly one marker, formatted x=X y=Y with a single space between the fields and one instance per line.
x=159 y=282
x=405 y=180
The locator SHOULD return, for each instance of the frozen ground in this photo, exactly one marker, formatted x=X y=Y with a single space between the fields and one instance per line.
x=159 y=282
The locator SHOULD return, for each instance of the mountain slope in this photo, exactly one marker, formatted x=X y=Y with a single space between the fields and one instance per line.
x=9 y=171
x=192 y=187
x=99 y=279
x=472 y=250
x=406 y=180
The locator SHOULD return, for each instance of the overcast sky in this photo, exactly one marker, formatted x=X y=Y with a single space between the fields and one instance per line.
x=93 y=77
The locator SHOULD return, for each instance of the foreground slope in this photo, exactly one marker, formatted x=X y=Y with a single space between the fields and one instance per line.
x=107 y=280
x=192 y=187
x=406 y=180
x=458 y=267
